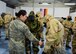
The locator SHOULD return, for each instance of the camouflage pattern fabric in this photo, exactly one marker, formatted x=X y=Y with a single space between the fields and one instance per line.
x=7 y=19
x=54 y=34
x=18 y=32
x=74 y=39
x=36 y=28
x=67 y=35
x=40 y=18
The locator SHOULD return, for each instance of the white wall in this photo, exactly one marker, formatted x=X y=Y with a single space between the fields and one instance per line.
x=10 y=10
x=73 y=15
x=58 y=11
x=2 y=7
x=61 y=12
x=28 y=9
x=37 y=9
x=16 y=10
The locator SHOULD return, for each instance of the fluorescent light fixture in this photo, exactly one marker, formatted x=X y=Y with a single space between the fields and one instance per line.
x=69 y=3
x=44 y=3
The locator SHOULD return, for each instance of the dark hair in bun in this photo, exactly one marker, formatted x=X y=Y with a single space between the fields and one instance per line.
x=21 y=12
x=16 y=14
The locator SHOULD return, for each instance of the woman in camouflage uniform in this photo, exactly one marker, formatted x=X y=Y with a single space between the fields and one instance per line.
x=18 y=32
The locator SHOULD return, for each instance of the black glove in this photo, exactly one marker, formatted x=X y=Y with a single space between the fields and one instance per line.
x=43 y=53
x=45 y=24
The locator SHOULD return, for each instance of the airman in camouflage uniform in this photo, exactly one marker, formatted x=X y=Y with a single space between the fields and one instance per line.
x=7 y=19
x=17 y=32
x=54 y=35
x=2 y=15
x=62 y=19
x=74 y=39
x=68 y=30
x=1 y=24
x=36 y=28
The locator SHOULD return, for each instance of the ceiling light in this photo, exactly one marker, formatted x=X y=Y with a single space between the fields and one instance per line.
x=69 y=3
x=44 y=3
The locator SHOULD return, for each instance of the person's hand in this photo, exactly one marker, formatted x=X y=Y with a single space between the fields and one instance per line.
x=40 y=43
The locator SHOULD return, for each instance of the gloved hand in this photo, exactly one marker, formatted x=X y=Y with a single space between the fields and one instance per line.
x=43 y=53
x=45 y=24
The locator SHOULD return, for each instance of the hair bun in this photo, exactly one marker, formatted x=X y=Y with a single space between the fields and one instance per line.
x=16 y=14
x=21 y=12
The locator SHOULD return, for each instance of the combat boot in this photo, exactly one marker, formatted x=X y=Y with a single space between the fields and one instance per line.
x=0 y=36
x=6 y=38
x=68 y=47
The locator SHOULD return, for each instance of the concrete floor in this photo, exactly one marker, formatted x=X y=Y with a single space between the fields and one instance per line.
x=4 y=45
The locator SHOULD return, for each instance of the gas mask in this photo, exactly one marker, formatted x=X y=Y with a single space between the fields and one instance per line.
x=31 y=18
x=70 y=19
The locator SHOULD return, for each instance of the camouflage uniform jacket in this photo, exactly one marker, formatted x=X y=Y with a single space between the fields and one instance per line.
x=67 y=25
x=54 y=35
x=17 y=33
x=35 y=27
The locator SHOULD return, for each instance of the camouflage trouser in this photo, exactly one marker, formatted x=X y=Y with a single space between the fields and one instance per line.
x=6 y=32
x=74 y=44
x=0 y=30
x=35 y=44
x=65 y=37
x=27 y=45
x=68 y=39
x=34 y=47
